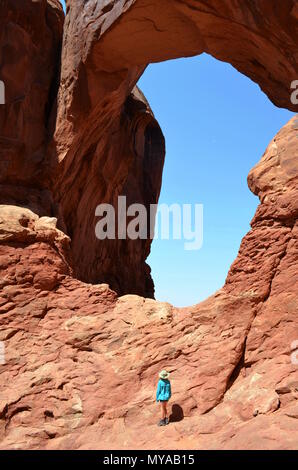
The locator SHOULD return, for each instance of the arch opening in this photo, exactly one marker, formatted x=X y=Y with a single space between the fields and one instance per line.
x=217 y=124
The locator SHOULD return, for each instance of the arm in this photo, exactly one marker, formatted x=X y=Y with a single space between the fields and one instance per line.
x=157 y=391
x=170 y=390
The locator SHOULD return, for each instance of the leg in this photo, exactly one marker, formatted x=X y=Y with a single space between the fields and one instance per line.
x=164 y=418
x=164 y=409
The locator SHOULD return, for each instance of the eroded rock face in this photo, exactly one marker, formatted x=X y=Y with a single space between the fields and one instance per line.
x=30 y=39
x=80 y=363
x=125 y=160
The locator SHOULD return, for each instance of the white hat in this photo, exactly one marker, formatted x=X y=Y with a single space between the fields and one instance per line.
x=164 y=374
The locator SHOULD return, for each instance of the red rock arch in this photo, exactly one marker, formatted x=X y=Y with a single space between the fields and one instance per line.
x=73 y=350
x=105 y=51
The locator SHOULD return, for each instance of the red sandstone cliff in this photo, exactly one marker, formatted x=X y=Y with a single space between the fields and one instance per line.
x=67 y=341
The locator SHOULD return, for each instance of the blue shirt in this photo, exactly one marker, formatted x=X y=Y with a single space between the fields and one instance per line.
x=163 y=392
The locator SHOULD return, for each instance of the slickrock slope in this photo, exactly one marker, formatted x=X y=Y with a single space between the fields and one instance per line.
x=81 y=361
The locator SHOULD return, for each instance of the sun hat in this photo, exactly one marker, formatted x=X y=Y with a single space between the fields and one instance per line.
x=164 y=374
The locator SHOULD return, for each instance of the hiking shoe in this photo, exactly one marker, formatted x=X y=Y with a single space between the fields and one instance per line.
x=161 y=423
x=167 y=421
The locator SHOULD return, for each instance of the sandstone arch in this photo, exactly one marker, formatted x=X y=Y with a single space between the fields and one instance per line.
x=69 y=343
x=100 y=69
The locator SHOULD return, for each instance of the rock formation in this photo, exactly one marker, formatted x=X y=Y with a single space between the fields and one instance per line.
x=80 y=360
x=114 y=41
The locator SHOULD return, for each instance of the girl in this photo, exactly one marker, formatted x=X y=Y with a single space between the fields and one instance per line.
x=163 y=394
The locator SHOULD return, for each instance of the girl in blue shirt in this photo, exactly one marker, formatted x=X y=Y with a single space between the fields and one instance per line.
x=163 y=394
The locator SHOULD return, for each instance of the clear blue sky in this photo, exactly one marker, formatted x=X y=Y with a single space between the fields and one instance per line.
x=217 y=124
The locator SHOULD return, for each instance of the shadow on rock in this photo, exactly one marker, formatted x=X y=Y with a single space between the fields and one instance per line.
x=177 y=414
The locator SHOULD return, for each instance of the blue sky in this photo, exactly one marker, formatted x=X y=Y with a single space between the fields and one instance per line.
x=217 y=124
